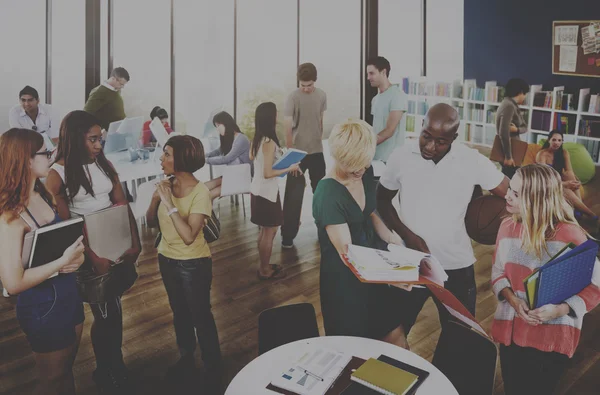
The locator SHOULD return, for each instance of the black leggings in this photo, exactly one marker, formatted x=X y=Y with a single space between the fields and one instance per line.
x=107 y=334
x=528 y=371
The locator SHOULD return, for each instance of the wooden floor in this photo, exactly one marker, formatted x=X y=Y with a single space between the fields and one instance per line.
x=238 y=297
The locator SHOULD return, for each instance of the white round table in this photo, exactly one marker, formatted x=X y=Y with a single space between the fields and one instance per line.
x=254 y=377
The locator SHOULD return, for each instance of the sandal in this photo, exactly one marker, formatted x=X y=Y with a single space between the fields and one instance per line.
x=277 y=273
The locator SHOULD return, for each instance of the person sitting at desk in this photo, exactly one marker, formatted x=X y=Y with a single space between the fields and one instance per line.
x=234 y=149
x=30 y=114
x=161 y=113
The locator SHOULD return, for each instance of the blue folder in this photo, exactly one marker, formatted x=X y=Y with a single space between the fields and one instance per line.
x=289 y=158
x=566 y=276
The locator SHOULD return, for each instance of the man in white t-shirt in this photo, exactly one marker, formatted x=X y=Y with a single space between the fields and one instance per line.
x=436 y=177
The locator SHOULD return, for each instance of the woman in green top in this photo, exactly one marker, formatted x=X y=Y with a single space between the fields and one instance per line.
x=344 y=211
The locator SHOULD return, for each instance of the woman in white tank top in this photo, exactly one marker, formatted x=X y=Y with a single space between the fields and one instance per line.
x=83 y=181
x=265 y=204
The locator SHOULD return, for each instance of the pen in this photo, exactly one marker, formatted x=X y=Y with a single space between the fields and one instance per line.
x=312 y=375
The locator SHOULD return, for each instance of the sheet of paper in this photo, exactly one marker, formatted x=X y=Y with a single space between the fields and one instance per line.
x=566 y=35
x=466 y=320
x=568 y=58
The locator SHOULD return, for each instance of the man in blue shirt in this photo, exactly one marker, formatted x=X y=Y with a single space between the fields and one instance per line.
x=387 y=108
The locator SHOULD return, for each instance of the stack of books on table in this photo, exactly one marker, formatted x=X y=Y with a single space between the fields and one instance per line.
x=329 y=372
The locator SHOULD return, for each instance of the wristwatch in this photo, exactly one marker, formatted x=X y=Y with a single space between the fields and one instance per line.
x=172 y=211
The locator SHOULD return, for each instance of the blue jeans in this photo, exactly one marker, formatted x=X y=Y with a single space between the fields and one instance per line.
x=188 y=285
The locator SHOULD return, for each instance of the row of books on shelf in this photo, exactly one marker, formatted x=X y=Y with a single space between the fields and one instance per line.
x=594 y=104
x=541 y=120
x=420 y=108
x=542 y=99
x=475 y=114
x=495 y=94
x=589 y=128
x=565 y=101
x=474 y=93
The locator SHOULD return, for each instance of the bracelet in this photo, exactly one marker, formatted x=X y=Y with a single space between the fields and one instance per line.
x=172 y=211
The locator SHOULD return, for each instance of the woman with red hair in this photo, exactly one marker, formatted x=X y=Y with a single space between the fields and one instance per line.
x=49 y=310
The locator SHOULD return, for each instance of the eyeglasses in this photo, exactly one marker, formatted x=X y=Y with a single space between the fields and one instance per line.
x=48 y=153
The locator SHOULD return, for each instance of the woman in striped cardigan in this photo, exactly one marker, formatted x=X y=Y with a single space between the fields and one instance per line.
x=536 y=344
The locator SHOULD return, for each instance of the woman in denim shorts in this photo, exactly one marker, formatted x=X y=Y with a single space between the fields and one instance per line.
x=49 y=309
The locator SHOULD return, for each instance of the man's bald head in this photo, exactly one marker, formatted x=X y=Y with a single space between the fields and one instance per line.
x=439 y=131
x=442 y=117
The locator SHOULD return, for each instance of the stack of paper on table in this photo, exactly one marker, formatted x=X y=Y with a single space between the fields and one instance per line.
x=313 y=373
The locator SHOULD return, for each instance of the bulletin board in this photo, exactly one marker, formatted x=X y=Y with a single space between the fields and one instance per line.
x=576 y=48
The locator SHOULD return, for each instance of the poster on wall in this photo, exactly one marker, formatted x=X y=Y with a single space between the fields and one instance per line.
x=576 y=48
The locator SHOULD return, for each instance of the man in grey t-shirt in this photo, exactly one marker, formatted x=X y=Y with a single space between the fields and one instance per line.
x=387 y=108
x=303 y=122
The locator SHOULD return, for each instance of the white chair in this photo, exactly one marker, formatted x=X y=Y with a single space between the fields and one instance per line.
x=143 y=198
x=236 y=181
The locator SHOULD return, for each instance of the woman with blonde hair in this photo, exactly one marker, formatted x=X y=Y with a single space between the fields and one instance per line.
x=344 y=211
x=536 y=344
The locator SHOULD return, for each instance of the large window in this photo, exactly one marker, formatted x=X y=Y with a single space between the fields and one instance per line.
x=68 y=57
x=266 y=55
x=400 y=37
x=203 y=64
x=23 y=38
x=142 y=45
x=330 y=38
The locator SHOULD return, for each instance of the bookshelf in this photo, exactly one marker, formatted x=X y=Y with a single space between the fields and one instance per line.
x=577 y=115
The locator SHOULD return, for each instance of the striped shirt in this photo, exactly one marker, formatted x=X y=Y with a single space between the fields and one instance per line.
x=511 y=265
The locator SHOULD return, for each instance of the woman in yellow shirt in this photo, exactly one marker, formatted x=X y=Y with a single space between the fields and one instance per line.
x=180 y=206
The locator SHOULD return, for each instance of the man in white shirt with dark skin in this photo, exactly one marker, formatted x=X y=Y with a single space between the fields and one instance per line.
x=436 y=177
x=387 y=108
x=30 y=114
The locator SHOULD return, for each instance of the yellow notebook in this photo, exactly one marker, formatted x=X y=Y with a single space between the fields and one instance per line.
x=384 y=378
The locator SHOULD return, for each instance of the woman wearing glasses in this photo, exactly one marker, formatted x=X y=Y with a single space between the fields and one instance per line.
x=49 y=310
x=83 y=181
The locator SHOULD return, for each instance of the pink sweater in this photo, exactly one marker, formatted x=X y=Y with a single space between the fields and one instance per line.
x=511 y=265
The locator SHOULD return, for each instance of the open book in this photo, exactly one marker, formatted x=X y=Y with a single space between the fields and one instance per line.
x=399 y=264
x=290 y=157
x=430 y=273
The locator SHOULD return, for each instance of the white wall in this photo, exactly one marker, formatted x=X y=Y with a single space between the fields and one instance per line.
x=142 y=45
x=400 y=31
x=203 y=62
x=445 y=39
x=22 y=51
x=68 y=57
x=333 y=45
x=266 y=55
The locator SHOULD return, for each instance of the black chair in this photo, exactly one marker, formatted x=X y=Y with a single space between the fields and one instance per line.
x=286 y=324
x=467 y=359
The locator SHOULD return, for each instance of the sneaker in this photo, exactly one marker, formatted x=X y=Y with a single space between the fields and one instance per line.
x=184 y=368
x=287 y=245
